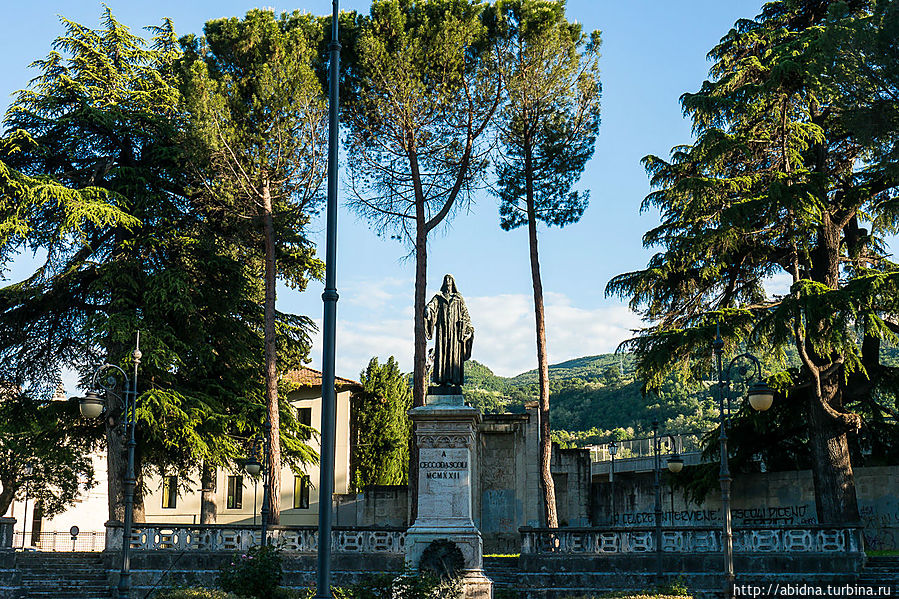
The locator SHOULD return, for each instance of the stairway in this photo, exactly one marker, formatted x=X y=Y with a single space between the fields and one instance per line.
x=880 y=571
x=51 y=575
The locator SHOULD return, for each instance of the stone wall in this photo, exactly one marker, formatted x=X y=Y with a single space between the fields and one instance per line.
x=500 y=484
x=381 y=505
x=505 y=486
x=506 y=493
x=165 y=569
x=765 y=499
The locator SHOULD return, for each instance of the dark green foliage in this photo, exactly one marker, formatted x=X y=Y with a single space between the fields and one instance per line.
x=135 y=249
x=587 y=368
x=256 y=573
x=381 y=427
x=784 y=178
x=394 y=586
x=592 y=401
x=52 y=437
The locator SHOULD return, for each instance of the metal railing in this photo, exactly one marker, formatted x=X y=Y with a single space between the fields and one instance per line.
x=642 y=448
x=60 y=541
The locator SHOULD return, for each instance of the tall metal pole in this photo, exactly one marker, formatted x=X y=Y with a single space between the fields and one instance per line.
x=658 y=505
x=130 y=478
x=25 y=517
x=329 y=299
x=724 y=475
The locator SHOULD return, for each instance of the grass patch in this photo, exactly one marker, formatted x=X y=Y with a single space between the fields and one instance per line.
x=882 y=553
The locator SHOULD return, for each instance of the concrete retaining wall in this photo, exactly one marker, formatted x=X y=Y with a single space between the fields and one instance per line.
x=764 y=499
x=164 y=569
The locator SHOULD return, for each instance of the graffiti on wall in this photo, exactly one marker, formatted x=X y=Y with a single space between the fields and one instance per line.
x=881 y=526
x=788 y=515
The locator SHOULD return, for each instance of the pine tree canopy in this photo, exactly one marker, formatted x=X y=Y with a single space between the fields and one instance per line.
x=257 y=113
x=550 y=118
x=423 y=85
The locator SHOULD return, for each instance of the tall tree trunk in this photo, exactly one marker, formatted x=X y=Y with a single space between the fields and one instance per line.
x=271 y=366
x=208 y=506
x=546 y=477
x=835 y=496
x=420 y=373
x=7 y=494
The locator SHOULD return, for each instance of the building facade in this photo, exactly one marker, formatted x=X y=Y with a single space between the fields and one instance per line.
x=237 y=496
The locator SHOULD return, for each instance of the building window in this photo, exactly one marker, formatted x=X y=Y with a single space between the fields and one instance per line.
x=301 y=492
x=304 y=415
x=37 y=518
x=235 y=492
x=169 y=491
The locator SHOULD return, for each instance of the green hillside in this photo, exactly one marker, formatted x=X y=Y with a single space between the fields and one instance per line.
x=593 y=399
x=596 y=398
x=586 y=368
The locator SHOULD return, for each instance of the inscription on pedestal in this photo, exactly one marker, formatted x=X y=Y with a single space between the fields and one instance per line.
x=443 y=483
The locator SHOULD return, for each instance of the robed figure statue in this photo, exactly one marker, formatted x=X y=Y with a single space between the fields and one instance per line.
x=447 y=321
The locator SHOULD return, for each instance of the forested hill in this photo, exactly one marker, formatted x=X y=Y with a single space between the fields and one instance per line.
x=595 y=398
x=591 y=398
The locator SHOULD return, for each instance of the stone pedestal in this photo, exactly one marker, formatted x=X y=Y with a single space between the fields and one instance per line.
x=446 y=430
x=7 y=528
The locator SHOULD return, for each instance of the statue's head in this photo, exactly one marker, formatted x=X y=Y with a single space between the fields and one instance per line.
x=449 y=285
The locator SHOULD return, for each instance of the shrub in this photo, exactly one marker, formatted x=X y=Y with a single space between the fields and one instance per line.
x=193 y=593
x=256 y=573
x=391 y=585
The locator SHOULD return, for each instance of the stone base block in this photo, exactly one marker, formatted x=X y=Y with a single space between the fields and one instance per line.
x=467 y=539
x=477 y=586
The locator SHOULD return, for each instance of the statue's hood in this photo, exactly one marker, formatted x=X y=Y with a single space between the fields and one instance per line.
x=449 y=285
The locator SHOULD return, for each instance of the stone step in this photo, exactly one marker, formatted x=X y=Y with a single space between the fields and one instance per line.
x=56 y=582
x=68 y=594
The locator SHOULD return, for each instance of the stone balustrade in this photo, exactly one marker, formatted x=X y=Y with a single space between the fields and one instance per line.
x=221 y=537
x=693 y=540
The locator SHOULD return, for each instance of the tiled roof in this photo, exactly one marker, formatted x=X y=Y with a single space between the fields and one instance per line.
x=309 y=377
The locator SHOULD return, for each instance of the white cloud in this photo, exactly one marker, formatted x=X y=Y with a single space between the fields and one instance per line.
x=504 y=333
x=505 y=340
x=375 y=293
x=778 y=284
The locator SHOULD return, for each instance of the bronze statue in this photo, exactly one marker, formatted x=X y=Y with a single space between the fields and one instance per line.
x=446 y=320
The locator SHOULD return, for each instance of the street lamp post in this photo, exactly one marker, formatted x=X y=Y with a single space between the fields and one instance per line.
x=92 y=406
x=760 y=398
x=329 y=322
x=613 y=451
x=29 y=470
x=675 y=465
x=253 y=468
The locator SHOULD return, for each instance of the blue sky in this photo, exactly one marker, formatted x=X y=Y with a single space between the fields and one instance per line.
x=653 y=51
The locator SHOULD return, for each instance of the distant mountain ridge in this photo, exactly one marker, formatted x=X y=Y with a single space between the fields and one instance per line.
x=597 y=398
